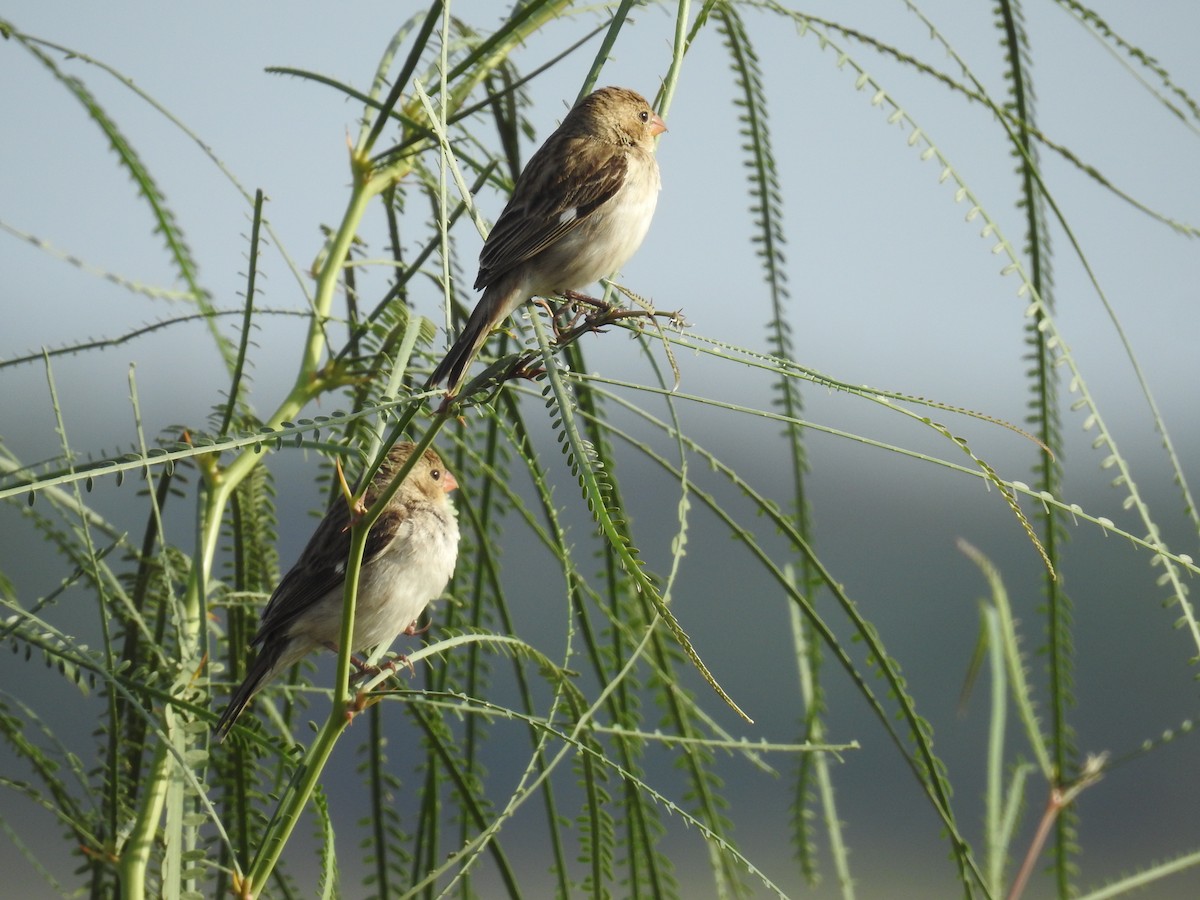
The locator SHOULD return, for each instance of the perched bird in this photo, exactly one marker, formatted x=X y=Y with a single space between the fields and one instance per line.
x=579 y=210
x=409 y=557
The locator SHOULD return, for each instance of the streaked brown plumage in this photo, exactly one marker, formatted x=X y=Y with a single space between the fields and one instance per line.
x=410 y=555
x=579 y=211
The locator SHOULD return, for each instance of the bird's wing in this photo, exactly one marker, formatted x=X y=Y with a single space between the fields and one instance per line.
x=322 y=566
x=548 y=202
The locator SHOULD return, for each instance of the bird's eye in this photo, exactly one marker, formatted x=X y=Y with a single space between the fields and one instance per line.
x=644 y=116
x=435 y=474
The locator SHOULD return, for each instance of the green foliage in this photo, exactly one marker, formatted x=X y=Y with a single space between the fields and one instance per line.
x=605 y=711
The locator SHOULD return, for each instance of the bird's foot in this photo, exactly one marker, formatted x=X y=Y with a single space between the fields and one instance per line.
x=586 y=300
x=360 y=702
x=578 y=308
x=367 y=670
x=364 y=669
x=412 y=628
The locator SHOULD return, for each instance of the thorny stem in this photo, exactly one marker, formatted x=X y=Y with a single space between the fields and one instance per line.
x=521 y=365
x=1060 y=799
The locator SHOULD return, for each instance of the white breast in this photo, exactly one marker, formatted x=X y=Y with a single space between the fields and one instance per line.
x=603 y=242
x=397 y=586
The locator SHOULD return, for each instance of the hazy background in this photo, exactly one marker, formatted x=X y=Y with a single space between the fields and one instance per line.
x=889 y=287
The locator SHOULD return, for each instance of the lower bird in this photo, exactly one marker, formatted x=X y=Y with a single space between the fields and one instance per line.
x=579 y=210
x=409 y=558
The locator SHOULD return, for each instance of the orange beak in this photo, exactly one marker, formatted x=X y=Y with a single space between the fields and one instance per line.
x=657 y=125
x=448 y=482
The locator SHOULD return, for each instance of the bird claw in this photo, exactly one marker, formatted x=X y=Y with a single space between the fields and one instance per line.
x=360 y=702
x=584 y=299
x=367 y=670
x=570 y=321
x=364 y=669
x=572 y=314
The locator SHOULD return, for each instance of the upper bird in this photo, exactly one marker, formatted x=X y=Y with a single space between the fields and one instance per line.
x=409 y=557
x=579 y=210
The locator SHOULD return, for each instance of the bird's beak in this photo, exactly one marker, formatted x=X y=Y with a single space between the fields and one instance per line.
x=657 y=125
x=448 y=482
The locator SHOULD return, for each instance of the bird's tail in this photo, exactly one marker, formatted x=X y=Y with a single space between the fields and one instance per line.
x=453 y=368
x=260 y=673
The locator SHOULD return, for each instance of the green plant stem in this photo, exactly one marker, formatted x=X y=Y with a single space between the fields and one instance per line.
x=996 y=848
x=296 y=796
x=135 y=855
x=805 y=651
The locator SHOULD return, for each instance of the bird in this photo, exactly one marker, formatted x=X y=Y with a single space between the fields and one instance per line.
x=409 y=557
x=579 y=210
